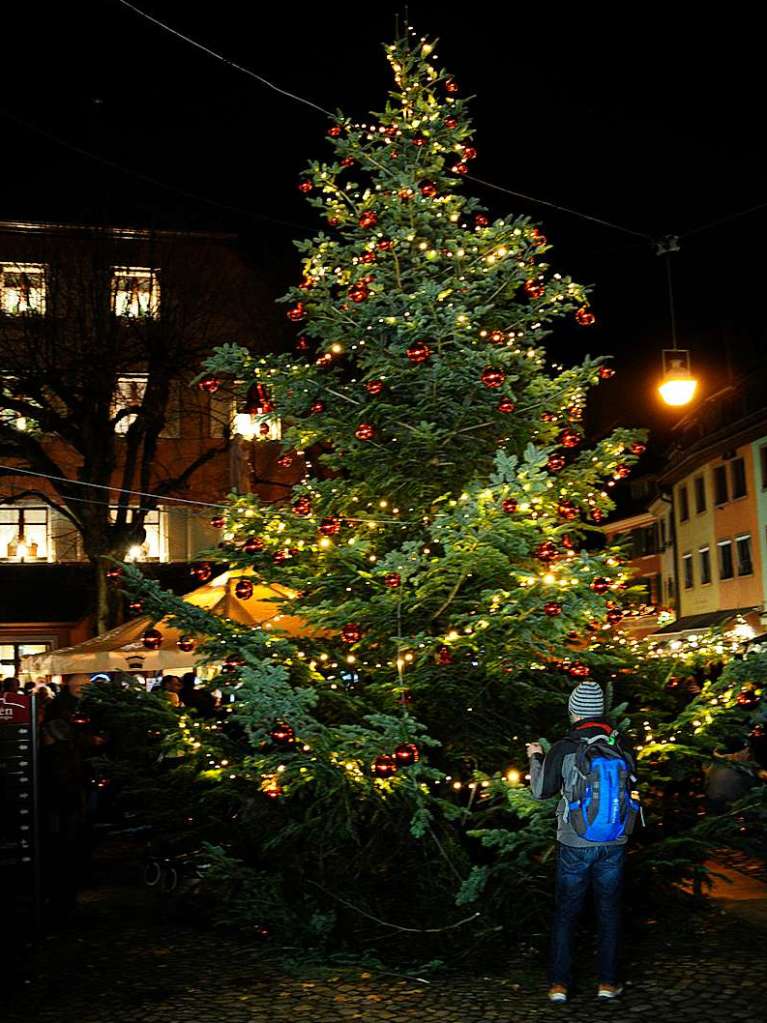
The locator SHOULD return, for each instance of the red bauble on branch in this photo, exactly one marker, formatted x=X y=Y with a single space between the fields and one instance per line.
x=480 y=220
x=186 y=644
x=552 y=608
x=136 y=607
x=368 y=219
x=506 y=405
x=283 y=734
x=497 y=337
x=469 y=153
x=418 y=140
x=334 y=132
x=351 y=632
x=555 y=463
x=567 y=511
x=549 y=417
x=638 y=448
x=317 y=407
x=384 y=766
x=114 y=572
x=253 y=544
x=584 y=317
x=533 y=288
x=305 y=186
x=302 y=506
x=152 y=639
x=384 y=245
x=600 y=585
x=348 y=161
x=570 y=438
x=547 y=552
x=218 y=522
x=451 y=122
x=368 y=257
x=392 y=580
x=579 y=670
x=407 y=753
x=365 y=431
x=510 y=505
x=538 y=238
x=597 y=515
x=243 y=589
x=461 y=167
x=296 y=312
x=418 y=352
x=606 y=372
x=302 y=344
x=451 y=86
x=330 y=526
x=359 y=292
x=444 y=656
x=202 y=571
x=209 y=384
x=374 y=386
x=492 y=377
x=621 y=471
x=428 y=189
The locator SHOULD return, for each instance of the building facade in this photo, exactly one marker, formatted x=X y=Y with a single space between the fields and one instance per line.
x=56 y=280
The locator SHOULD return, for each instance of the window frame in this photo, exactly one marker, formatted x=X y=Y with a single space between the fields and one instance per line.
x=699 y=488
x=742 y=477
x=151 y=274
x=721 y=546
x=744 y=538
x=12 y=267
x=688 y=571
x=720 y=473
x=684 y=503
x=704 y=559
x=161 y=526
x=21 y=515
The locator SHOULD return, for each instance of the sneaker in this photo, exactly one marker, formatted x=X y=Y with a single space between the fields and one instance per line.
x=609 y=991
x=558 y=993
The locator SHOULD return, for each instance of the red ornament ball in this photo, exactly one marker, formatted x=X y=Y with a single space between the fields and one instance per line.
x=497 y=337
x=549 y=417
x=575 y=413
x=546 y=552
x=492 y=377
x=469 y=153
x=638 y=448
x=359 y=292
x=579 y=670
x=570 y=438
x=136 y=607
x=283 y=734
x=368 y=219
x=614 y=615
x=506 y=405
x=152 y=639
x=552 y=608
x=392 y=580
x=243 y=589
x=285 y=461
x=374 y=386
x=384 y=245
x=451 y=86
x=510 y=505
x=305 y=186
x=419 y=141
x=384 y=766
x=480 y=220
x=330 y=526
x=351 y=632
x=747 y=698
x=209 y=384
x=621 y=471
x=348 y=161
x=271 y=792
x=186 y=644
x=451 y=122
x=297 y=312
x=568 y=543
x=365 y=431
x=584 y=317
x=302 y=507
x=114 y=572
x=405 y=194
x=253 y=544
x=317 y=407
x=600 y=585
x=533 y=288
x=461 y=167
x=597 y=515
x=418 y=352
x=555 y=463
x=606 y=372
x=429 y=189
x=218 y=522
x=334 y=132
x=302 y=344
x=407 y=753
x=202 y=571
x=444 y=656
x=567 y=510
x=368 y=257
x=538 y=237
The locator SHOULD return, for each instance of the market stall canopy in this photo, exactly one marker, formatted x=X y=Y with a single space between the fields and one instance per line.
x=122 y=648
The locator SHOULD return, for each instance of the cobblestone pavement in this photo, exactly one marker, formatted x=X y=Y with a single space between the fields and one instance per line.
x=119 y=962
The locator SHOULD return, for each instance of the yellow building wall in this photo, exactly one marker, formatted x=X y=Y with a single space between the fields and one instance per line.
x=698 y=531
x=737 y=518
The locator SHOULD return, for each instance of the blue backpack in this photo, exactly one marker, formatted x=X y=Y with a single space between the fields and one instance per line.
x=601 y=804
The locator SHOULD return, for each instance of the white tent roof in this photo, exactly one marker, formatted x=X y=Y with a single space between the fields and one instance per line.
x=122 y=648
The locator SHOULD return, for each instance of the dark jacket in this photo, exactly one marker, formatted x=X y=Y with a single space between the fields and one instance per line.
x=546 y=774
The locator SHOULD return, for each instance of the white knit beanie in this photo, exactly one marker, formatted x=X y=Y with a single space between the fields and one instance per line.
x=587 y=700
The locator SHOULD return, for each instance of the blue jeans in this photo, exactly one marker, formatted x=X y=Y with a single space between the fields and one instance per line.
x=602 y=866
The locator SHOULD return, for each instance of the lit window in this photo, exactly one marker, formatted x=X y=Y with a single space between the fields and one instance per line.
x=22 y=288
x=129 y=394
x=743 y=546
x=226 y=414
x=152 y=547
x=687 y=565
x=705 y=564
x=23 y=533
x=135 y=292
x=726 y=569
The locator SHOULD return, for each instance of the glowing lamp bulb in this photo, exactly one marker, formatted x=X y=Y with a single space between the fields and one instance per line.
x=678 y=386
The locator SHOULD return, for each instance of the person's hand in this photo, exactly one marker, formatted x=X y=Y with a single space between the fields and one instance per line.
x=533 y=747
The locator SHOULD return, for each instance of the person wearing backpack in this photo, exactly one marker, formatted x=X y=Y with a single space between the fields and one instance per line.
x=593 y=770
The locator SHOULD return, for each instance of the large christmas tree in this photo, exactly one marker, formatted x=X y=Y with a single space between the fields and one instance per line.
x=436 y=545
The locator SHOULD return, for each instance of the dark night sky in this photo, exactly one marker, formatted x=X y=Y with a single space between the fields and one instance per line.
x=660 y=136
